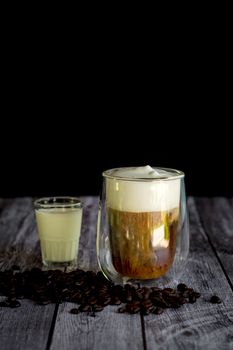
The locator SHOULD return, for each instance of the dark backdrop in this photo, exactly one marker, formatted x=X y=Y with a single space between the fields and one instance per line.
x=58 y=156
x=72 y=107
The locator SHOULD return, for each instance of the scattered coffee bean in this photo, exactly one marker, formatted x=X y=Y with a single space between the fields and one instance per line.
x=14 y=304
x=169 y=290
x=90 y=290
x=158 y=311
x=92 y=300
x=105 y=301
x=86 y=308
x=3 y=304
x=182 y=287
x=192 y=299
x=197 y=294
x=183 y=300
x=98 y=308
x=215 y=300
x=74 y=311
x=115 y=300
x=121 y=310
x=133 y=307
x=43 y=301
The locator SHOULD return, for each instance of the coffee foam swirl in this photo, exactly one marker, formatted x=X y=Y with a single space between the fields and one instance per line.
x=142 y=196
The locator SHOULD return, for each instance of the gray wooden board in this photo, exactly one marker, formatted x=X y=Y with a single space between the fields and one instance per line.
x=109 y=329
x=201 y=325
x=216 y=215
x=87 y=259
x=197 y=326
x=19 y=242
x=26 y=327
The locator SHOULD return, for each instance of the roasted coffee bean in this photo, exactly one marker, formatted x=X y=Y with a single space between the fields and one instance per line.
x=128 y=296
x=117 y=290
x=86 y=308
x=139 y=294
x=92 y=301
x=65 y=290
x=168 y=290
x=147 y=307
x=121 y=310
x=156 y=290
x=197 y=294
x=192 y=299
x=133 y=308
x=183 y=300
x=74 y=311
x=158 y=311
x=115 y=301
x=127 y=286
x=44 y=301
x=14 y=304
x=89 y=289
x=98 y=308
x=156 y=293
x=182 y=287
x=215 y=300
x=3 y=304
x=105 y=301
x=147 y=303
x=159 y=301
x=190 y=290
x=145 y=311
x=185 y=294
x=76 y=297
x=142 y=293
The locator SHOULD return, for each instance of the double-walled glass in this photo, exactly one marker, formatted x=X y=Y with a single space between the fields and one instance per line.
x=143 y=229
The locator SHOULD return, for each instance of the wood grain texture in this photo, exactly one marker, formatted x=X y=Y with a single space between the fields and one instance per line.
x=198 y=326
x=87 y=259
x=216 y=216
x=201 y=325
x=26 y=327
x=109 y=329
x=19 y=242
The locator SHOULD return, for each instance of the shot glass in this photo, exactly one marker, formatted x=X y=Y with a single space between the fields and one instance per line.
x=59 y=221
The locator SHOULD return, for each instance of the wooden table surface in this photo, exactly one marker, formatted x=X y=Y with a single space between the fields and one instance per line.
x=194 y=326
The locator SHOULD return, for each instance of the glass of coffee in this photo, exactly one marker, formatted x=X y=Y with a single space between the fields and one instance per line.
x=143 y=229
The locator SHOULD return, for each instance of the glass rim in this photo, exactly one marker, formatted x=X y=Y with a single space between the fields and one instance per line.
x=178 y=174
x=58 y=202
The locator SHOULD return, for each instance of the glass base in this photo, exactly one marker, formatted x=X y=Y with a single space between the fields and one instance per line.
x=60 y=264
x=170 y=279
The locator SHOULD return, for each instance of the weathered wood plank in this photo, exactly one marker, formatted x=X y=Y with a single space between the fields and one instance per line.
x=26 y=327
x=19 y=242
x=109 y=329
x=201 y=325
x=87 y=259
x=193 y=326
x=216 y=215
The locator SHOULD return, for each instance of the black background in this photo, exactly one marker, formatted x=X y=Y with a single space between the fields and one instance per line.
x=68 y=160
x=71 y=109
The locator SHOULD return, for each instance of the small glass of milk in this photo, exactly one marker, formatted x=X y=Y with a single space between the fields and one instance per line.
x=59 y=222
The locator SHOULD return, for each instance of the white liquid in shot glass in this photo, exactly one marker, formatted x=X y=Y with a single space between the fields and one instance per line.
x=59 y=232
